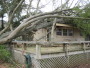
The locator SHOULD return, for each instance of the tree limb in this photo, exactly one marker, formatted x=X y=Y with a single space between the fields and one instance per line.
x=11 y=17
x=20 y=27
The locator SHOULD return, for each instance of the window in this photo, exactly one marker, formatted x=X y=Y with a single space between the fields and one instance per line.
x=70 y=32
x=65 y=32
x=59 y=31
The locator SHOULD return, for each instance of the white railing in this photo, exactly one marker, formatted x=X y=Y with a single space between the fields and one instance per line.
x=64 y=44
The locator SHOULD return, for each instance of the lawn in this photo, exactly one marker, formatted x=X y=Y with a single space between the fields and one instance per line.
x=52 y=49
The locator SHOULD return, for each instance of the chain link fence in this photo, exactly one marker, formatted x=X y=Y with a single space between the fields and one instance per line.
x=59 y=56
x=64 y=62
x=67 y=55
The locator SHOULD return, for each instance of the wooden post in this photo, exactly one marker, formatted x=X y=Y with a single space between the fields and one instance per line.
x=23 y=49
x=22 y=46
x=38 y=51
x=16 y=45
x=87 y=55
x=25 y=46
x=84 y=47
x=65 y=49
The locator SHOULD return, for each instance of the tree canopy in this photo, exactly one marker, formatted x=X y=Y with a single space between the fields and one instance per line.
x=84 y=25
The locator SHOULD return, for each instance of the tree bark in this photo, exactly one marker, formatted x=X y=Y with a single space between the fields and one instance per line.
x=2 y=25
x=25 y=24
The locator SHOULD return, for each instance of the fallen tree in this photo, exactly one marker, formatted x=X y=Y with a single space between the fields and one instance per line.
x=35 y=22
x=32 y=21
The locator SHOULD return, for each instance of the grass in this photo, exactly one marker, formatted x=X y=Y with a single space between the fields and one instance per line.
x=45 y=50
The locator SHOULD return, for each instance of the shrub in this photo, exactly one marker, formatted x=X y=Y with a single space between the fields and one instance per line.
x=4 y=53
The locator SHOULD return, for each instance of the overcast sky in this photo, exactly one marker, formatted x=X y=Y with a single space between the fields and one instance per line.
x=49 y=6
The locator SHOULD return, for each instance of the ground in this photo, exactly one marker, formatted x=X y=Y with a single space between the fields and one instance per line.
x=6 y=65
x=83 y=66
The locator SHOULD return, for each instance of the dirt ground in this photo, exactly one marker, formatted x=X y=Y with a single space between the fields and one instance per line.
x=83 y=66
x=7 y=65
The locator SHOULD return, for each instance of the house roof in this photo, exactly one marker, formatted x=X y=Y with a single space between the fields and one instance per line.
x=64 y=25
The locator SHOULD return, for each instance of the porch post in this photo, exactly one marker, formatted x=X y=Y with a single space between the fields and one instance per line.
x=65 y=49
x=52 y=30
x=84 y=47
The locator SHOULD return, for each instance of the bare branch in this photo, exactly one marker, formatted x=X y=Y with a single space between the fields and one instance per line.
x=29 y=7
x=37 y=6
x=11 y=17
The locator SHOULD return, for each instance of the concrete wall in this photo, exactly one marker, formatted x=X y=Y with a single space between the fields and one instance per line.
x=18 y=56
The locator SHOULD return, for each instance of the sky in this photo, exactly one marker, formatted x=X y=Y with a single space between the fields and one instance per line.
x=48 y=5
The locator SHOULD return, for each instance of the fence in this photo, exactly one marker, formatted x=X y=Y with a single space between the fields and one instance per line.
x=53 y=54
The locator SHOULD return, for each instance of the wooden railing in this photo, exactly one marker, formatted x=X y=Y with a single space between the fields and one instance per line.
x=64 y=44
x=49 y=43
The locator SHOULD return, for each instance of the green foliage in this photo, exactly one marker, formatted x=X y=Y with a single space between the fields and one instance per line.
x=4 y=53
x=8 y=7
x=83 y=25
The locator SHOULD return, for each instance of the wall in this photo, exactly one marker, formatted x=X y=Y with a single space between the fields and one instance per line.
x=18 y=56
x=75 y=37
x=42 y=32
x=39 y=34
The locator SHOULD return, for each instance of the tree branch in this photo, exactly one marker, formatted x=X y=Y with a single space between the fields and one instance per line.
x=20 y=27
x=11 y=17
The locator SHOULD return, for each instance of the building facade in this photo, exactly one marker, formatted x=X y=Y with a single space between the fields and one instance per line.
x=61 y=32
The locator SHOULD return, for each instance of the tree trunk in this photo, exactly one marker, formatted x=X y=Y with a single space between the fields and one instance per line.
x=2 y=23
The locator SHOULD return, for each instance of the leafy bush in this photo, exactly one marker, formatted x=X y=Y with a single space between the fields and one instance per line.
x=4 y=53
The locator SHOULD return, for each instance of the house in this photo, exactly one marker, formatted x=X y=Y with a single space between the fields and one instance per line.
x=61 y=32
x=87 y=38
